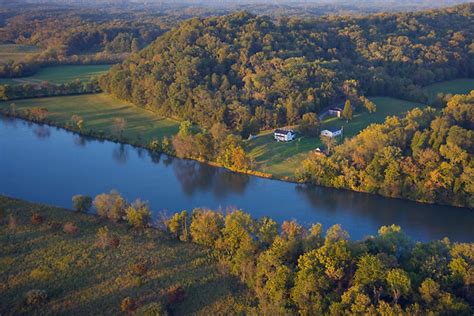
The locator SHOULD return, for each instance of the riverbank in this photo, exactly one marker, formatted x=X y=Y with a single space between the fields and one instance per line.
x=95 y=118
x=58 y=261
x=74 y=271
x=49 y=165
x=138 y=142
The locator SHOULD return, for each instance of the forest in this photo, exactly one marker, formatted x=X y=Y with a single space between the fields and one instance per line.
x=425 y=156
x=253 y=72
x=288 y=269
x=82 y=36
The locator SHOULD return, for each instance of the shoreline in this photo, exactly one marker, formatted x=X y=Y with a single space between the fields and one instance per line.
x=135 y=144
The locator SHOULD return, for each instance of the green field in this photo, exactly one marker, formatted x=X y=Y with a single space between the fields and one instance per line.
x=282 y=159
x=98 y=112
x=458 y=86
x=60 y=74
x=82 y=279
x=16 y=52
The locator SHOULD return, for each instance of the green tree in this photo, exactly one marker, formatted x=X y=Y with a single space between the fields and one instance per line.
x=399 y=283
x=82 y=203
x=309 y=125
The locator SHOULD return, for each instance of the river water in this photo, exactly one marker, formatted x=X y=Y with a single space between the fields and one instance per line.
x=47 y=164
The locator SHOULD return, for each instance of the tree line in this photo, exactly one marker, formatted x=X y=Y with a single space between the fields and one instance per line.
x=252 y=72
x=46 y=89
x=424 y=156
x=294 y=269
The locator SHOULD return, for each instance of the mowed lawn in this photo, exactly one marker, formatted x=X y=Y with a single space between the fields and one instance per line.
x=16 y=52
x=60 y=74
x=282 y=159
x=98 y=112
x=458 y=86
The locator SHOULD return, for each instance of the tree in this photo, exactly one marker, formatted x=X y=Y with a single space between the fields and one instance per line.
x=82 y=203
x=138 y=214
x=119 y=124
x=178 y=225
x=309 y=125
x=135 y=47
x=329 y=143
x=399 y=283
x=369 y=105
x=206 y=226
x=347 y=111
x=111 y=206
x=77 y=121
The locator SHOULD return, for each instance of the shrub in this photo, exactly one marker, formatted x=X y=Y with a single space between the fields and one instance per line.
x=41 y=273
x=138 y=214
x=103 y=237
x=175 y=294
x=152 y=309
x=81 y=203
x=36 y=297
x=111 y=206
x=139 y=268
x=12 y=224
x=36 y=219
x=70 y=228
x=128 y=305
x=114 y=242
x=55 y=225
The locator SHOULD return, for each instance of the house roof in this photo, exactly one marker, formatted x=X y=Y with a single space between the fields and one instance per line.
x=283 y=131
x=333 y=129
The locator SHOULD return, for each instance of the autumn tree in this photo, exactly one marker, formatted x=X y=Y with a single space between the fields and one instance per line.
x=347 y=111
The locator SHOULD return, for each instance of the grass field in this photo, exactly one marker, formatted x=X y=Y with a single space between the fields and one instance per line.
x=82 y=279
x=98 y=112
x=282 y=159
x=60 y=74
x=458 y=86
x=16 y=52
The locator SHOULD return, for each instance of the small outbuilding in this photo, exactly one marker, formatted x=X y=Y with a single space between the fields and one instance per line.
x=335 y=111
x=284 y=135
x=332 y=132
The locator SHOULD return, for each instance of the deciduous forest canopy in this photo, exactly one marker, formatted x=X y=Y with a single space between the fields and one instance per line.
x=253 y=72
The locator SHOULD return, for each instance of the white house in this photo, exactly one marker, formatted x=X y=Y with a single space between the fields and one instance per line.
x=332 y=132
x=284 y=135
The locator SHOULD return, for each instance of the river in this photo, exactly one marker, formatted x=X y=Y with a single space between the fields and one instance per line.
x=49 y=165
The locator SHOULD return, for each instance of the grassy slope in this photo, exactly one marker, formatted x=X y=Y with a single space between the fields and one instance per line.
x=60 y=74
x=458 y=86
x=98 y=112
x=83 y=279
x=16 y=52
x=282 y=159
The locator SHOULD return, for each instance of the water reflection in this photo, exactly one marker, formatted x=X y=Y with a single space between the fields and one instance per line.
x=42 y=131
x=120 y=153
x=424 y=219
x=42 y=171
x=80 y=140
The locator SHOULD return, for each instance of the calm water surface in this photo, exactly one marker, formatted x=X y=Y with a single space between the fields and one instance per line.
x=46 y=164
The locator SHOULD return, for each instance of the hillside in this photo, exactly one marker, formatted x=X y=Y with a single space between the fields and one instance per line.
x=252 y=72
x=81 y=277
